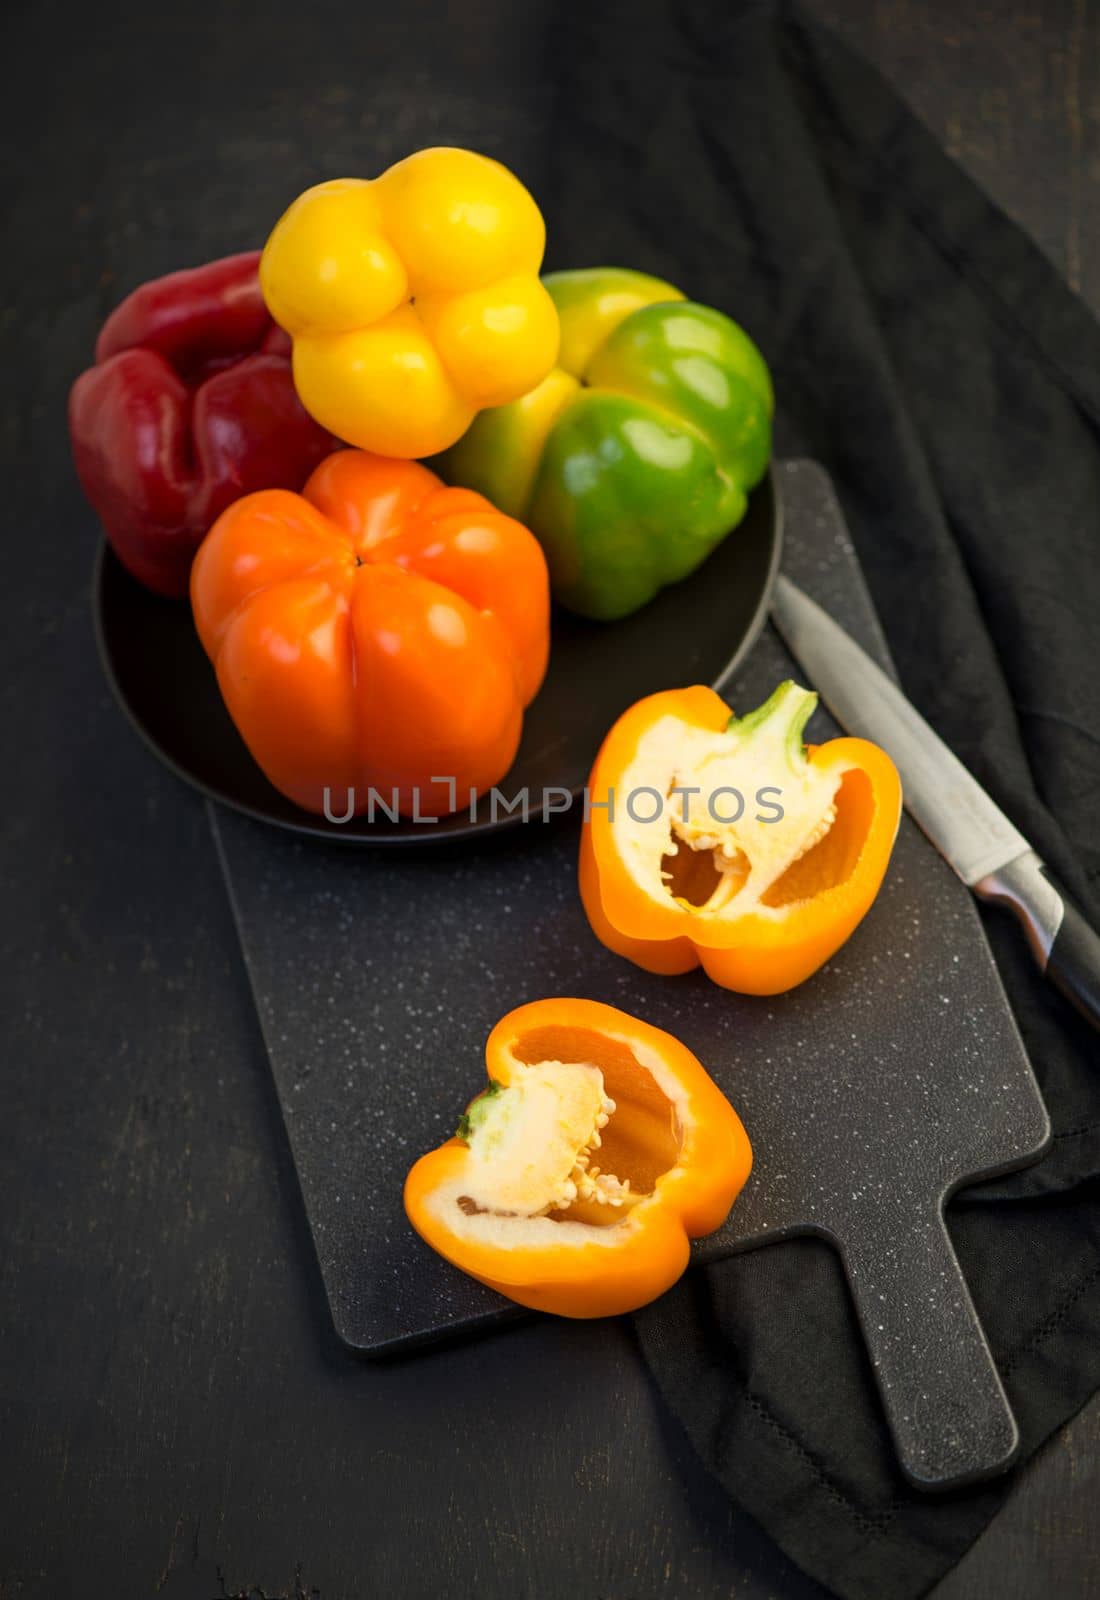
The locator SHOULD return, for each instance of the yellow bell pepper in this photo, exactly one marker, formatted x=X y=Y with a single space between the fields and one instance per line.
x=413 y=299
x=577 y=1178
x=764 y=855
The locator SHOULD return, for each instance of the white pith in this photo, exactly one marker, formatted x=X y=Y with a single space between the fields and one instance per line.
x=674 y=755
x=495 y=1171
x=531 y=1149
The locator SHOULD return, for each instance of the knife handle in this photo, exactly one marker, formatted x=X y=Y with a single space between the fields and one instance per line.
x=1073 y=965
x=1064 y=945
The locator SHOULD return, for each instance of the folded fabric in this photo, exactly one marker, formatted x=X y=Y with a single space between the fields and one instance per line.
x=933 y=360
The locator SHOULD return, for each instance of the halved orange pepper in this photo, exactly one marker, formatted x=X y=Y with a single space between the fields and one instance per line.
x=378 y=635
x=577 y=1178
x=725 y=842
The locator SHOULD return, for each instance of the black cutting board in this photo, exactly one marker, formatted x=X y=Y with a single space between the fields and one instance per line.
x=870 y=1093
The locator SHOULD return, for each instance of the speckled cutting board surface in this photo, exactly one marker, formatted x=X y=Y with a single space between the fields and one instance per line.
x=869 y=1093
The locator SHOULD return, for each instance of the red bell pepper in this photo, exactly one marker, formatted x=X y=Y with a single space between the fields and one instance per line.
x=190 y=405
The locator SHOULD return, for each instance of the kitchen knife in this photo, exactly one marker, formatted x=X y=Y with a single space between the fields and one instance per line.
x=973 y=834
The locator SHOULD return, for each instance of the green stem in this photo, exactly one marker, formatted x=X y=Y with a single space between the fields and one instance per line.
x=474 y=1114
x=784 y=715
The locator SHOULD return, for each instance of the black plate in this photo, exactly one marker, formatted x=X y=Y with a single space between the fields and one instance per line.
x=698 y=631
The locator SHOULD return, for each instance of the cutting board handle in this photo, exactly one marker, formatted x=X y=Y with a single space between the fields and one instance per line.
x=947 y=1409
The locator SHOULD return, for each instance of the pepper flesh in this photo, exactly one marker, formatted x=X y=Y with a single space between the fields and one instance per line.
x=632 y=460
x=760 y=902
x=190 y=404
x=600 y=1148
x=413 y=299
x=376 y=637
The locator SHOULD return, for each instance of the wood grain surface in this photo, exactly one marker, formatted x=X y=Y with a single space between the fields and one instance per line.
x=176 y=1417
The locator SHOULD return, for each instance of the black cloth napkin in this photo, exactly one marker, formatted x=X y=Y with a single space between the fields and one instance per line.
x=927 y=353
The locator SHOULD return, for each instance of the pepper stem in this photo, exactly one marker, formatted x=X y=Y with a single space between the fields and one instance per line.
x=782 y=717
x=474 y=1114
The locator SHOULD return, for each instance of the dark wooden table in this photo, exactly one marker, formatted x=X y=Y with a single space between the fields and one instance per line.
x=176 y=1417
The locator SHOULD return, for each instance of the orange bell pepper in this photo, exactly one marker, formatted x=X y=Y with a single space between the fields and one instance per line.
x=518 y=1199
x=760 y=856
x=376 y=637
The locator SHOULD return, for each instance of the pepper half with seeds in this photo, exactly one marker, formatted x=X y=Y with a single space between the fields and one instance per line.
x=577 y=1178
x=724 y=842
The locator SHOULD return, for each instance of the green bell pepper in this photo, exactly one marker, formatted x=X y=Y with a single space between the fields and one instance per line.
x=632 y=460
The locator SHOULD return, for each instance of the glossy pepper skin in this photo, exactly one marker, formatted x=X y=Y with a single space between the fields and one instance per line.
x=190 y=404
x=413 y=299
x=379 y=632
x=679 y=892
x=633 y=459
x=672 y=1158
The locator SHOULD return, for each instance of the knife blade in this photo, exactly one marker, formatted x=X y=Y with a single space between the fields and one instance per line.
x=967 y=827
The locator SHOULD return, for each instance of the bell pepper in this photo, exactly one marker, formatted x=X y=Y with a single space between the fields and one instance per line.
x=189 y=405
x=413 y=299
x=577 y=1177
x=633 y=459
x=723 y=841
x=376 y=638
